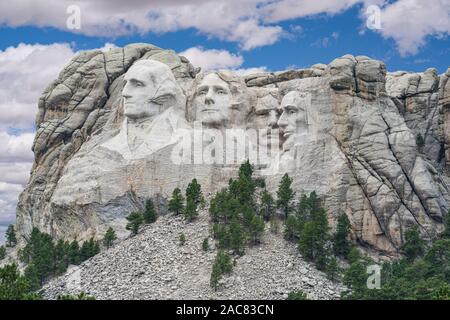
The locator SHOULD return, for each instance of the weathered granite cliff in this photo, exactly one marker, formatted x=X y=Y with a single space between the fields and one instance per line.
x=110 y=130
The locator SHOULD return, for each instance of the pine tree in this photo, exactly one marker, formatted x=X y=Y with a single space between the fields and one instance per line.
x=446 y=233
x=40 y=251
x=332 y=269
x=313 y=239
x=341 y=244
x=291 y=228
x=223 y=260
x=2 y=253
x=33 y=277
x=256 y=229
x=205 y=244
x=13 y=286
x=85 y=251
x=74 y=253
x=61 y=256
x=267 y=205
x=297 y=295
x=176 y=204
x=246 y=170
x=190 y=212
x=215 y=277
x=135 y=220
x=244 y=188
x=285 y=195
x=247 y=215
x=109 y=238
x=236 y=236
x=11 y=239
x=194 y=192
x=413 y=245
x=223 y=236
x=150 y=214
x=354 y=255
x=182 y=239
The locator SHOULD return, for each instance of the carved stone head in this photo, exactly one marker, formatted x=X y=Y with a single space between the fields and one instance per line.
x=293 y=121
x=265 y=115
x=217 y=102
x=149 y=89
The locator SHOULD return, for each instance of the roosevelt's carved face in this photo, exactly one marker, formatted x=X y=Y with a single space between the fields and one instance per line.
x=149 y=89
x=212 y=101
x=293 y=120
x=265 y=118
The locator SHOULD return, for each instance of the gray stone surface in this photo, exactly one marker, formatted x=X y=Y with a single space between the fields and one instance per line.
x=354 y=143
x=152 y=265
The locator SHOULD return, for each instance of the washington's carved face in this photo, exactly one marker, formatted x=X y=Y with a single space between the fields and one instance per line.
x=149 y=89
x=293 y=119
x=265 y=117
x=212 y=101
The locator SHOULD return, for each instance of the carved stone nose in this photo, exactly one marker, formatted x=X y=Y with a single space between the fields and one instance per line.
x=209 y=100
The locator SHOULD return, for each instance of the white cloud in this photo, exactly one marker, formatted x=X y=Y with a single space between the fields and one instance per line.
x=16 y=148
x=410 y=22
x=15 y=172
x=108 y=46
x=25 y=71
x=251 y=23
x=247 y=71
x=212 y=59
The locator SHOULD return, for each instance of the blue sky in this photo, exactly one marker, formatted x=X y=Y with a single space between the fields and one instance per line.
x=319 y=39
x=271 y=35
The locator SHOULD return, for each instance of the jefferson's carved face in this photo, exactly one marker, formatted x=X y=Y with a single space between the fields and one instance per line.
x=266 y=116
x=293 y=119
x=212 y=101
x=149 y=89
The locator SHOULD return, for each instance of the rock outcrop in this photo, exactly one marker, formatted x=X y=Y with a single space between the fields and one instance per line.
x=348 y=131
x=153 y=265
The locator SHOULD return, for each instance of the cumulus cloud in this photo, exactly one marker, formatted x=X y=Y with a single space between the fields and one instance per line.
x=251 y=23
x=16 y=148
x=410 y=22
x=212 y=59
x=25 y=71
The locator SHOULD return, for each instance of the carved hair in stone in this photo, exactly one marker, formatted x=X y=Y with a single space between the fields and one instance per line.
x=154 y=108
x=149 y=89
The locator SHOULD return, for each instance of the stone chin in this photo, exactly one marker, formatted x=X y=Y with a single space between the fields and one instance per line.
x=136 y=112
x=212 y=118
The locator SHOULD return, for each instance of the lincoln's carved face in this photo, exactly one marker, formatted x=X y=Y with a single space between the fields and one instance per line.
x=265 y=118
x=293 y=120
x=149 y=89
x=212 y=101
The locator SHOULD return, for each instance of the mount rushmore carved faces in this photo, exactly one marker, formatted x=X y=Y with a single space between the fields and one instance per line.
x=219 y=101
x=154 y=107
x=212 y=101
x=293 y=120
x=265 y=117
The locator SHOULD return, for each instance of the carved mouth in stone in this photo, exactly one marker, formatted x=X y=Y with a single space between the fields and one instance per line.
x=209 y=110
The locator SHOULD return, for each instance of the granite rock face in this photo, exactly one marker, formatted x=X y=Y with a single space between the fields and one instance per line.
x=347 y=130
x=152 y=265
